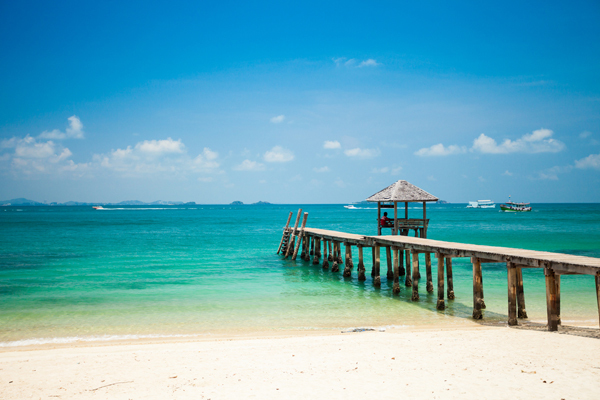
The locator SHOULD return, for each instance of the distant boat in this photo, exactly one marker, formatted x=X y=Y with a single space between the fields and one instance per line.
x=515 y=207
x=481 y=204
x=98 y=208
x=351 y=207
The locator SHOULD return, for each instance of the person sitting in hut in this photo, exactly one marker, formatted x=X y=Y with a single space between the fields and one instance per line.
x=385 y=222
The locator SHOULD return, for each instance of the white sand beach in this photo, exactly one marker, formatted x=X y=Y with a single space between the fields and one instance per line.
x=468 y=363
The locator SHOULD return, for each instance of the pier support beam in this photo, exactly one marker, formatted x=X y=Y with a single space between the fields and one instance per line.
x=349 y=263
x=551 y=291
x=361 y=264
x=449 y=275
x=312 y=247
x=287 y=224
x=512 y=293
x=330 y=255
x=376 y=267
x=429 y=285
x=598 y=293
x=440 y=287
x=408 y=279
x=522 y=313
x=335 y=267
x=388 y=257
x=317 y=251
x=326 y=254
x=415 y=277
x=400 y=255
x=477 y=284
x=396 y=286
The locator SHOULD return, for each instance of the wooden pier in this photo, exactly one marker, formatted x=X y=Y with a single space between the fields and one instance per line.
x=403 y=260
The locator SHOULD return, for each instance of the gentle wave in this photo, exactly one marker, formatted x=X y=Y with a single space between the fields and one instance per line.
x=73 y=339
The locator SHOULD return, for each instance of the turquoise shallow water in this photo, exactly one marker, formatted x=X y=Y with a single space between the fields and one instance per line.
x=68 y=273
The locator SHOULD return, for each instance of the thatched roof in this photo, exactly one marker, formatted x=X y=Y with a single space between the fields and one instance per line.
x=402 y=191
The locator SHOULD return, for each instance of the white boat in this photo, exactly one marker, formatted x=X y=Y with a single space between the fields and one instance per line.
x=351 y=207
x=481 y=204
x=98 y=208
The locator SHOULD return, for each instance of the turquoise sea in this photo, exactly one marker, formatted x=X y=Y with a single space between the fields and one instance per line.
x=75 y=273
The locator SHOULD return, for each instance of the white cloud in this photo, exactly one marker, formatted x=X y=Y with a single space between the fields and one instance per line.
x=321 y=169
x=278 y=154
x=507 y=173
x=539 y=141
x=592 y=161
x=362 y=153
x=380 y=170
x=440 y=150
x=166 y=156
x=248 y=165
x=74 y=131
x=585 y=134
x=331 y=144
x=278 y=119
x=369 y=63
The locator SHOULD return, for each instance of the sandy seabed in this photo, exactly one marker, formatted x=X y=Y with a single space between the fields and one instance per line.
x=479 y=362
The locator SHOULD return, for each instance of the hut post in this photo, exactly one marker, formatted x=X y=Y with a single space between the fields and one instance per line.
x=521 y=313
x=349 y=263
x=408 y=279
x=388 y=257
x=429 y=285
x=300 y=235
x=325 y=255
x=376 y=277
x=335 y=267
x=476 y=288
x=287 y=224
x=289 y=249
x=378 y=218
x=317 y=251
x=449 y=275
x=395 y=231
x=424 y=235
x=396 y=286
x=551 y=299
x=415 y=277
x=440 y=284
x=597 y=279
x=406 y=210
x=512 y=293
x=361 y=264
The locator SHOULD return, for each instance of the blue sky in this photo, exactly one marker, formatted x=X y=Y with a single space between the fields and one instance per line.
x=302 y=103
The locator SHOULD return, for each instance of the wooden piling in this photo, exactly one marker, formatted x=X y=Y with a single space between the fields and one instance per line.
x=551 y=299
x=440 y=289
x=376 y=277
x=361 y=265
x=330 y=256
x=312 y=247
x=557 y=278
x=325 y=256
x=317 y=251
x=522 y=313
x=300 y=235
x=429 y=285
x=408 y=279
x=400 y=256
x=396 y=285
x=449 y=275
x=390 y=269
x=335 y=267
x=415 y=277
x=339 y=253
x=349 y=263
x=512 y=293
x=287 y=224
x=476 y=288
x=597 y=278
x=290 y=248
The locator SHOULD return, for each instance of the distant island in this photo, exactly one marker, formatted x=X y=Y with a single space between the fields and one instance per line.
x=239 y=203
x=26 y=202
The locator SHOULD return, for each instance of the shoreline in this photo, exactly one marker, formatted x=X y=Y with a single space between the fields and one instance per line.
x=477 y=361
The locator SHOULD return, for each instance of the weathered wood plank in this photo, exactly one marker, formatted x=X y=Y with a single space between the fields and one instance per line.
x=287 y=224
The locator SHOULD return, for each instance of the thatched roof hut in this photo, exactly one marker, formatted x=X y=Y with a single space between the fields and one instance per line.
x=402 y=191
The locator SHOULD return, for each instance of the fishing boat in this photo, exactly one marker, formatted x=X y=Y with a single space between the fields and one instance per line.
x=98 y=208
x=515 y=207
x=481 y=204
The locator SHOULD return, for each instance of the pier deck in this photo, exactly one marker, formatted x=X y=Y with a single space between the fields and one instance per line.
x=401 y=249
